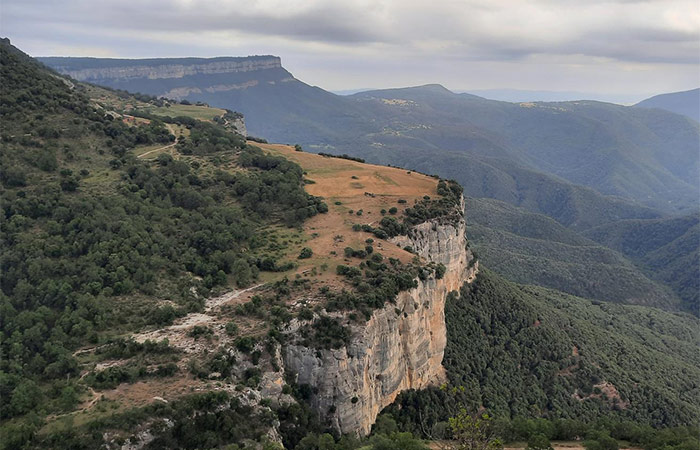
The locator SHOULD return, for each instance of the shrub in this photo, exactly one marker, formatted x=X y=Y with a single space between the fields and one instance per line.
x=306 y=253
x=245 y=344
x=538 y=442
x=231 y=329
x=440 y=271
x=199 y=331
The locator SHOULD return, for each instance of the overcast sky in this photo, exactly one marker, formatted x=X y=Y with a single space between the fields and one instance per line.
x=632 y=47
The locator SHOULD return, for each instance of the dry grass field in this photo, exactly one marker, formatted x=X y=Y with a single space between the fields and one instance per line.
x=349 y=187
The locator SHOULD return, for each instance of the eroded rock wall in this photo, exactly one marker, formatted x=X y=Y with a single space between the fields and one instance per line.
x=400 y=347
x=158 y=70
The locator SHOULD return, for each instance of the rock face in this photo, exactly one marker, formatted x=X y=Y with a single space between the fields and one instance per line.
x=400 y=347
x=96 y=69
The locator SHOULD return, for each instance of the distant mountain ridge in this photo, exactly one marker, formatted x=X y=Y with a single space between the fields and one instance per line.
x=646 y=156
x=686 y=103
x=585 y=164
x=521 y=95
x=119 y=70
x=175 y=78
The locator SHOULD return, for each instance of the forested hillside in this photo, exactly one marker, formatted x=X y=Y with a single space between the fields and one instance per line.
x=668 y=249
x=534 y=249
x=523 y=351
x=98 y=242
x=151 y=258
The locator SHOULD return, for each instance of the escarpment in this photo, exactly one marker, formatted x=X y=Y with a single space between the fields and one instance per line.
x=98 y=69
x=400 y=347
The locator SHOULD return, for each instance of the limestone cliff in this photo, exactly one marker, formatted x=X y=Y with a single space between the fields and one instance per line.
x=100 y=69
x=400 y=347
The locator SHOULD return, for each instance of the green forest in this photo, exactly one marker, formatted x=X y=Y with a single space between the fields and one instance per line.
x=97 y=243
x=525 y=352
x=93 y=237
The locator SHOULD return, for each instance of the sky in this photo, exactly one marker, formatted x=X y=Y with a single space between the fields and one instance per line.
x=627 y=48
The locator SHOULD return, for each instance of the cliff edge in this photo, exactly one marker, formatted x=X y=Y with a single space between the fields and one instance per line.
x=400 y=347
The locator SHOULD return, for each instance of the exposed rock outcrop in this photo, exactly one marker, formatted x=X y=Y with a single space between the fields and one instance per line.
x=400 y=347
x=95 y=70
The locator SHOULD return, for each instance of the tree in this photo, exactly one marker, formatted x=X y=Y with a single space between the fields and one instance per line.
x=539 y=442
x=473 y=432
x=396 y=441
x=306 y=253
x=242 y=273
x=600 y=441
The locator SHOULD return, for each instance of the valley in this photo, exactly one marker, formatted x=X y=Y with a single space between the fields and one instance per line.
x=584 y=164
x=173 y=280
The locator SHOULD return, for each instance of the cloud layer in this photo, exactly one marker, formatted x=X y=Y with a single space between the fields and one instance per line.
x=656 y=40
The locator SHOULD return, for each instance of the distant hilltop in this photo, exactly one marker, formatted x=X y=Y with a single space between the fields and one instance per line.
x=120 y=70
x=196 y=79
x=686 y=103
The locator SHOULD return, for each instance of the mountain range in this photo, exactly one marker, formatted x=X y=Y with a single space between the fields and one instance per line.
x=584 y=164
x=645 y=155
x=167 y=283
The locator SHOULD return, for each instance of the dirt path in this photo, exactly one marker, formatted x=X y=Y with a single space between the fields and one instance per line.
x=172 y=131
x=157 y=149
x=95 y=398
x=176 y=333
x=227 y=297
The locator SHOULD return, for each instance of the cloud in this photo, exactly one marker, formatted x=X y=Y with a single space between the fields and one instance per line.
x=467 y=32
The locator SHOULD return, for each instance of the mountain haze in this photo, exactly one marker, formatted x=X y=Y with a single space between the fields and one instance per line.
x=585 y=164
x=686 y=103
x=168 y=283
x=647 y=156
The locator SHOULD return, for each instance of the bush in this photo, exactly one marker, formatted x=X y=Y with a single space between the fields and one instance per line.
x=305 y=253
x=245 y=344
x=538 y=442
x=231 y=328
x=440 y=271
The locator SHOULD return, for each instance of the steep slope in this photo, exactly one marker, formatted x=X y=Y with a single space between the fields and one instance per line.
x=668 y=249
x=400 y=344
x=686 y=103
x=523 y=351
x=161 y=275
x=534 y=249
x=108 y=229
x=649 y=156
